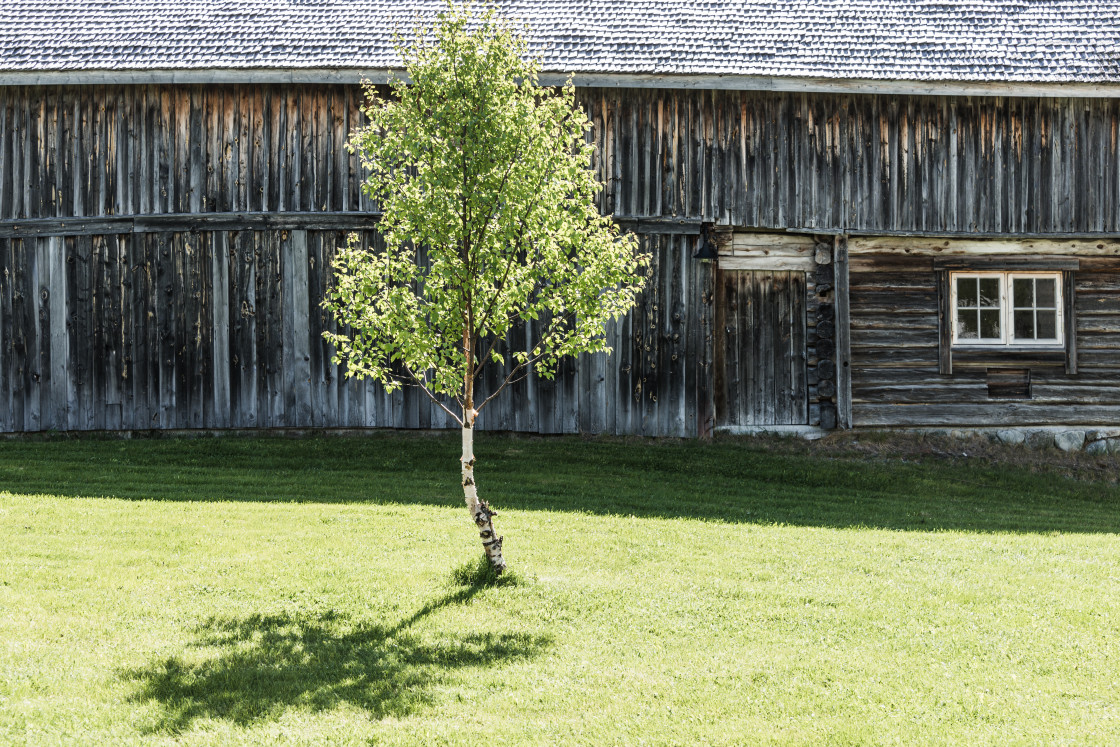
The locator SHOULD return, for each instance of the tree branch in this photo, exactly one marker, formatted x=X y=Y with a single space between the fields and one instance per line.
x=498 y=196
x=537 y=353
x=509 y=262
x=418 y=381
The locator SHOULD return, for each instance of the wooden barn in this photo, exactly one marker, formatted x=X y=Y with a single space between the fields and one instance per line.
x=913 y=208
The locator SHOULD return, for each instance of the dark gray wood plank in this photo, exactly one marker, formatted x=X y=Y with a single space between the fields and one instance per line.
x=59 y=342
x=297 y=353
x=843 y=334
x=8 y=327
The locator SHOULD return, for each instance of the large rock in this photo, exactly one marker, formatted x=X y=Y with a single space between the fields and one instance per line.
x=1069 y=440
x=1097 y=447
x=1011 y=436
x=1040 y=439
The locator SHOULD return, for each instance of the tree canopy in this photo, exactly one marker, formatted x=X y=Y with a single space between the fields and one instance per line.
x=488 y=199
x=488 y=212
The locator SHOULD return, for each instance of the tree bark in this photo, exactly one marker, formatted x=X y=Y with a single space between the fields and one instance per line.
x=480 y=511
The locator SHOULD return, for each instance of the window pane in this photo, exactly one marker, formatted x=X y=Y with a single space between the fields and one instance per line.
x=1047 y=325
x=1047 y=291
x=1024 y=295
x=966 y=292
x=968 y=326
x=1024 y=324
x=989 y=323
x=989 y=292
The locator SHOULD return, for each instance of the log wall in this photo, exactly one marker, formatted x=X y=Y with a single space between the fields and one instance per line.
x=163 y=249
x=895 y=354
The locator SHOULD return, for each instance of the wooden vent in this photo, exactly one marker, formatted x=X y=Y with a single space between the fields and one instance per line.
x=1009 y=383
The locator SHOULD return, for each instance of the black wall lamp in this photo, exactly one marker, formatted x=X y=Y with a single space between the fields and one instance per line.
x=706 y=249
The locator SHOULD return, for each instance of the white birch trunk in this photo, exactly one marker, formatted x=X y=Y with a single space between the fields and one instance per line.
x=480 y=511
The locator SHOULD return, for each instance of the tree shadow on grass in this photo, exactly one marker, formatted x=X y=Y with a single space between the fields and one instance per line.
x=262 y=665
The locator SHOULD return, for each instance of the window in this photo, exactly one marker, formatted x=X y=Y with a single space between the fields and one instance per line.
x=993 y=309
x=1012 y=311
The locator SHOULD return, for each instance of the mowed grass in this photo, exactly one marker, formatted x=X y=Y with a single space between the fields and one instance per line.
x=325 y=591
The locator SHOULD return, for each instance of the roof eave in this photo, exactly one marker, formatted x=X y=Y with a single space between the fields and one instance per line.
x=730 y=82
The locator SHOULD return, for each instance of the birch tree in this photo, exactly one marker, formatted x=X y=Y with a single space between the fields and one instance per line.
x=487 y=193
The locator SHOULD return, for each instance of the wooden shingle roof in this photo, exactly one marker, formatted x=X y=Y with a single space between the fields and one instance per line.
x=1029 y=41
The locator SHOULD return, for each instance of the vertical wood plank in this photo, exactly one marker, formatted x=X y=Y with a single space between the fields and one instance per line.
x=7 y=336
x=20 y=380
x=59 y=342
x=703 y=349
x=196 y=167
x=297 y=353
x=38 y=332
x=798 y=380
x=244 y=380
x=1069 y=291
x=843 y=334
x=110 y=347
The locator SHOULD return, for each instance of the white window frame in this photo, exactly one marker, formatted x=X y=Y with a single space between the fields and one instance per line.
x=1006 y=306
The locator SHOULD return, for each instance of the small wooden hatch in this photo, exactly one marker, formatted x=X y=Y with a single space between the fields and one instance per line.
x=1009 y=383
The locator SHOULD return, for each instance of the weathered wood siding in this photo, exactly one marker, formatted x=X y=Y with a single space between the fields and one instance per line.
x=895 y=347
x=834 y=162
x=114 y=313
x=760 y=348
x=774 y=160
x=224 y=330
x=140 y=150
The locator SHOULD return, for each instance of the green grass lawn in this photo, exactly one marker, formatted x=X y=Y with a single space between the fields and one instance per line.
x=319 y=591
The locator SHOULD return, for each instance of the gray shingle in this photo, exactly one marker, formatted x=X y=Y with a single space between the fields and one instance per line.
x=926 y=40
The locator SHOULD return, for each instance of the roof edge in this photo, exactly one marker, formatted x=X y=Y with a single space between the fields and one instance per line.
x=350 y=76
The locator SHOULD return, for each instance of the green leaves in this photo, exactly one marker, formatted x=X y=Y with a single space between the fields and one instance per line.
x=491 y=175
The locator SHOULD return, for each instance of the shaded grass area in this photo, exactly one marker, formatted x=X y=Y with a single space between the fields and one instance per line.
x=315 y=661
x=325 y=660
x=729 y=480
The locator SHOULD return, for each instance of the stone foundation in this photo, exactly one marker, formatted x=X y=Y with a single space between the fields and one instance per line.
x=1090 y=440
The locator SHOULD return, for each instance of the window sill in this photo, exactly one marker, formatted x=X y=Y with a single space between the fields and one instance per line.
x=981 y=356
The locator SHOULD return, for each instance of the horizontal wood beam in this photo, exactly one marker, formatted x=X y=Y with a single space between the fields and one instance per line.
x=1016 y=262
x=798 y=84
x=1006 y=244
x=180 y=222
x=676 y=226
x=876 y=242
x=1017 y=414
x=31 y=227
x=775 y=263
x=873 y=240
x=259 y=221
x=995 y=357
x=772 y=242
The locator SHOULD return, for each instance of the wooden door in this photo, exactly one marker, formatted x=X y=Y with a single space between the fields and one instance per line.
x=760 y=365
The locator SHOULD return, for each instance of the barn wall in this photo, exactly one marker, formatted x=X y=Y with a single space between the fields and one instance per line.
x=139 y=150
x=160 y=268
x=866 y=163
x=754 y=159
x=224 y=330
x=895 y=346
